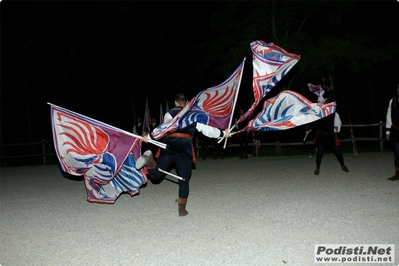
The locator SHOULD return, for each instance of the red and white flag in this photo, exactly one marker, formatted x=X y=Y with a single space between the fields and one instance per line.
x=213 y=106
x=104 y=155
x=287 y=110
x=270 y=64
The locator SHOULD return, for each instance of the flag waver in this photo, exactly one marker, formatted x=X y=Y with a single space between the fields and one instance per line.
x=213 y=106
x=104 y=155
x=288 y=110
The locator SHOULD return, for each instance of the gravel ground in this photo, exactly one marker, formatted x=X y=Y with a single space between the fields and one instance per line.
x=261 y=211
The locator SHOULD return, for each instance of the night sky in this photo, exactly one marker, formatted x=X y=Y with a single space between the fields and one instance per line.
x=95 y=57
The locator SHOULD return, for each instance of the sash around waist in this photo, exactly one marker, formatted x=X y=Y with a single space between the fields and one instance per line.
x=179 y=135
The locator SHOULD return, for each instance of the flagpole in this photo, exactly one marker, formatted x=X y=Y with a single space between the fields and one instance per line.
x=176 y=176
x=157 y=143
x=234 y=103
x=147 y=118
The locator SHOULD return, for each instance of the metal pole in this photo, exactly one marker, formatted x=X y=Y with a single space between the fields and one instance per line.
x=176 y=176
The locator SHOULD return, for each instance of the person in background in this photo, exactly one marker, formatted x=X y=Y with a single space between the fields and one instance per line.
x=217 y=149
x=179 y=152
x=203 y=144
x=326 y=136
x=242 y=136
x=138 y=127
x=392 y=131
x=153 y=124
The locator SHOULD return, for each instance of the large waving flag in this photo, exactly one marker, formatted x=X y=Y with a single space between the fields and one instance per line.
x=270 y=64
x=104 y=155
x=213 y=106
x=288 y=110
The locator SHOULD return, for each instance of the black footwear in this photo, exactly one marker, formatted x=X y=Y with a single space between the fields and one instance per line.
x=317 y=171
x=345 y=169
x=395 y=176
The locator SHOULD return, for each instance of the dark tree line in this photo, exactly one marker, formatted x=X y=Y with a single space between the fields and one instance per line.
x=103 y=59
x=349 y=52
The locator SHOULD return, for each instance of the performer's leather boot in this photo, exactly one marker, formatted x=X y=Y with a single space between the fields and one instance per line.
x=395 y=176
x=245 y=155
x=182 y=206
x=146 y=159
x=317 y=171
x=345 y=169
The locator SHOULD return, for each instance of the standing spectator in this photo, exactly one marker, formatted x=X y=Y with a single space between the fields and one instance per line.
x=217 y=149
x=203 y=144
x=153 y=124
x=138 y=127
x=392 y=131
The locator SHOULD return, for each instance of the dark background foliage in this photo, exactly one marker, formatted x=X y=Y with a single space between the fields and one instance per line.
x=103 y=59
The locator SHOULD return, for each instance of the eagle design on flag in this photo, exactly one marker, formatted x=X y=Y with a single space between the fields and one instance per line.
x=213 y=106
x=270 y=64
x=105 y=156
x=288 y=110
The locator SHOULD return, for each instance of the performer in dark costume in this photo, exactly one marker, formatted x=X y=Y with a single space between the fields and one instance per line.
x=179 y=151
x=326 y=136
x=242 y=136
x=392 y=131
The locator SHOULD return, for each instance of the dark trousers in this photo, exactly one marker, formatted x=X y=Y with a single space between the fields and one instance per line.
x=183 y=168
x=243 y=140
x=335 y=149
x=395 y=146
